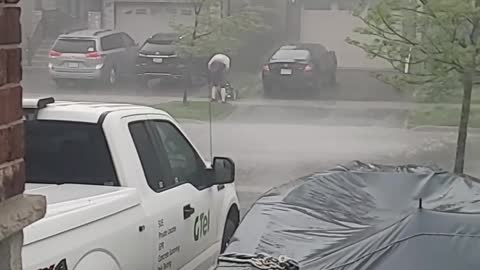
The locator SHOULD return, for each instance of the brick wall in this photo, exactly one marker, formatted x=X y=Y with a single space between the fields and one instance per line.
x=16 y=210
x=11 y=127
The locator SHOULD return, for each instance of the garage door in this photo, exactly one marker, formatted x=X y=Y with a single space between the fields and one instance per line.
x=331 y=28
x=141 y=20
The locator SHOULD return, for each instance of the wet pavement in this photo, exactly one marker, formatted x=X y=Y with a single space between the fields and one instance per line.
x=271 y=150
x=276 y=141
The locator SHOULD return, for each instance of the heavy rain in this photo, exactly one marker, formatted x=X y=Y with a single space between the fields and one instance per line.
x=306 y=85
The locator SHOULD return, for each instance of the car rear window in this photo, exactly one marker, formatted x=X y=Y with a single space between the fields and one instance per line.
x=59 y=152
x=162 y=46
x=291 y=55
x=74 y=46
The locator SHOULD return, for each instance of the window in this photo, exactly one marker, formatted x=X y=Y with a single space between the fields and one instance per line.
x=318 y=5
x=291 y=55
x=153 y=158
x=164 y=47
x=155 y=11
x=171 y=10
x=112 y=42
x=185 y=164
x=186 y=12
x=127 y=40
x=74 y=46
x=60 y=152
x=141 y=11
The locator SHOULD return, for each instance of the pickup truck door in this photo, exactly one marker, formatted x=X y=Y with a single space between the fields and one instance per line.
x=194 y=192
x=163 y=202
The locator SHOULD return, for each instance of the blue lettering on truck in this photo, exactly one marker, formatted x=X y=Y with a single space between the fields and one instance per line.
x=62 y=265
x=201 y=226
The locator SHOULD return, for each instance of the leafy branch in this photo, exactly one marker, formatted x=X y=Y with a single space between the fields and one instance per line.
x=439 y=39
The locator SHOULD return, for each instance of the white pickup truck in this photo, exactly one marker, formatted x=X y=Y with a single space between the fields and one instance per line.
x=126 y=190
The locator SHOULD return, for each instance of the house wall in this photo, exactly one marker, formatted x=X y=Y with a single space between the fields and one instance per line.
x=16 y=210
x=151 y=18
x=110 y=12
x=27 y=18
x=330 y=25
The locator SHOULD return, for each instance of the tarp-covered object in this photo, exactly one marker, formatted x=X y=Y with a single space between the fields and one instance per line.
x=366 y=216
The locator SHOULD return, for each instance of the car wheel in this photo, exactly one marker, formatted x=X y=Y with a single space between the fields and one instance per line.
x=110 y=77
x=230 y=228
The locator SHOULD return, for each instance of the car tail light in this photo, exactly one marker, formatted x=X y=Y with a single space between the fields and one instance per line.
x=308 y=68
x=266 y=68
x=53 y=54
x=94 y=55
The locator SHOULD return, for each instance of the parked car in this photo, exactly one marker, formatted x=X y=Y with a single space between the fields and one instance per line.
x=126 y=189
x=158 y=59
x=363 y=216
x=298 y=67
x=102 y=55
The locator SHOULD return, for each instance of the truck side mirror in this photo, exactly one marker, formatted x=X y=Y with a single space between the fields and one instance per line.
x=224 y=170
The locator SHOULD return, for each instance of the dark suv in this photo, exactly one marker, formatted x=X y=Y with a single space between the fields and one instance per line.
x=158 y=58
x=298 y=67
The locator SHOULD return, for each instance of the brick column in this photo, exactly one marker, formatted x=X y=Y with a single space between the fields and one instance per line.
x=16 y=210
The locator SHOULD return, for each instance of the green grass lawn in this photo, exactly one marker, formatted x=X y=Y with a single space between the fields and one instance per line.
x=197 y=110
x=455 y=98
x=248 y=84
x=442 y=116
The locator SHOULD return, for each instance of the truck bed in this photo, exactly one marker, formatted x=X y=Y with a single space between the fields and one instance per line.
x=70 y=206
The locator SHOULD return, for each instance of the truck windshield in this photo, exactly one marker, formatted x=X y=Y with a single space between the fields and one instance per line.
x=60 y=152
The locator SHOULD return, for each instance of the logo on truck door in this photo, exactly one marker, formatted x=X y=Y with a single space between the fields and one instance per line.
x=201 y=226
x=62 y=265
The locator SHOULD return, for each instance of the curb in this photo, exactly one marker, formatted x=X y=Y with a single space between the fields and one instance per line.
x=32 y=68
x=475 y=131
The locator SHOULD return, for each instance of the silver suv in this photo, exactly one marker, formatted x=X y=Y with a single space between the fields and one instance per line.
x=102 y=55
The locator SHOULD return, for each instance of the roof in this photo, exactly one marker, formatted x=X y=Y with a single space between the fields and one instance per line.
x=165 y=36
x=89 y=33
x=91 y=112
x=310 y=46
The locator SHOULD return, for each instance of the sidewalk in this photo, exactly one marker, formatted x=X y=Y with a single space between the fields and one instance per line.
x=321 y=104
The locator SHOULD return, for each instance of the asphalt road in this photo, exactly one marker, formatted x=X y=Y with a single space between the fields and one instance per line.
x=274 y=142
x=271 y=149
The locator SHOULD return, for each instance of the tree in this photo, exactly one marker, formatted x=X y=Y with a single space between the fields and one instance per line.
x=430 y=43
x=212 y=32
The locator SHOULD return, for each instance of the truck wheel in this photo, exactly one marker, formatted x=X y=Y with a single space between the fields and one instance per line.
x=230 y=227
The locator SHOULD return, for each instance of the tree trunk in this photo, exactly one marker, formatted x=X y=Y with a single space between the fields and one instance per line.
x=187 y=78
x=464 y=119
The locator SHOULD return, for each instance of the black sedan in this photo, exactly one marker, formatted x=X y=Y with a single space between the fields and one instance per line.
x=158 y=59
x=299 y=67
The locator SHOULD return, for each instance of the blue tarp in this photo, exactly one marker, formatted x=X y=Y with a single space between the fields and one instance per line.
x=367 y=216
